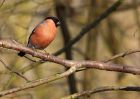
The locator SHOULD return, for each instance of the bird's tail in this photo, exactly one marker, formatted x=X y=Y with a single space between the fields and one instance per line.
x=21 y=54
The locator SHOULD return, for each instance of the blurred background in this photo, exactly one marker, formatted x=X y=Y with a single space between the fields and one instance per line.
x=117 y=33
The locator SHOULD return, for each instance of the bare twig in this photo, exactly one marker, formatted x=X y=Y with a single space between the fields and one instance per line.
x=90 y=26
x=102 y=89
x=123 y=54
x=17 y=73
x=33 y=60
x=38 y=82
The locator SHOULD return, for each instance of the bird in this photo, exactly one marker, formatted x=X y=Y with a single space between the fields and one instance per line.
x=43 y=34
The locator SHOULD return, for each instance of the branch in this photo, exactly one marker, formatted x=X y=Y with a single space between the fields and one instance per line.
x=70 y=63
x=74 y=65
x=90 y=26
x=17 y=73
x=102 y=89
x=38 y=82
x=123 y=54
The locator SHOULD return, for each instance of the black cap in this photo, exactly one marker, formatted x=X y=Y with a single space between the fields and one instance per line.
x=55 y=19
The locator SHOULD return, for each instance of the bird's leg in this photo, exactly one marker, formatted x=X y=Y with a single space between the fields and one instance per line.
x=35 y=50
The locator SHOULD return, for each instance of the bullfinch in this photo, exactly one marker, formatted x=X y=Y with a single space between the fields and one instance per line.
x=43 y=34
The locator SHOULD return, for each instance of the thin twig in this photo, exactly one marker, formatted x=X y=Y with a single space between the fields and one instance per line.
x=12 y=71
x=38 y=82
x=123 y=54
x=33 y=60
x=102 y=89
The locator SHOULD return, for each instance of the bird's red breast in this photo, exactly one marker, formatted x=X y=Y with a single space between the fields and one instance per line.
x=43 y=34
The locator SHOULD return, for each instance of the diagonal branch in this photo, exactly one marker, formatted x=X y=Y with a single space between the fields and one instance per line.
x=38 y=82
x=90 y=26
x=17 y=73
x=123 y=54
